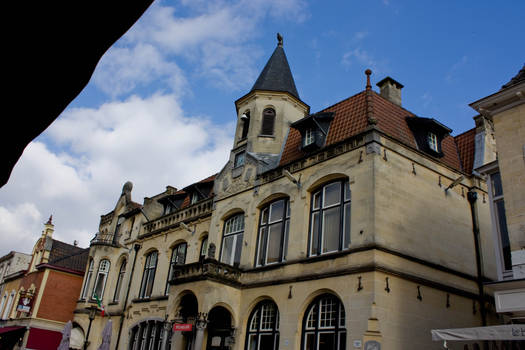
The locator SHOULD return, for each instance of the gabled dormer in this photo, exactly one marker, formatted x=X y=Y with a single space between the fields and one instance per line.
x=429 y=134
x=314 y=130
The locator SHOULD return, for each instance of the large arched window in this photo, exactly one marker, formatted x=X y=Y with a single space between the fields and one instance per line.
x=120 y=279
x=268 y=121
x=263 y=327
x=232 y=240
x=330 y=218
x=324 y=324
x=100 y=282
x=148 y=335
x=273 y=233
x=148 y=277
x=87 y=280
x=178 y=257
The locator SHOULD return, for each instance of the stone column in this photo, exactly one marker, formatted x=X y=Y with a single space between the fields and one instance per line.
x=200 y=325
x=166 y=330
x=177 y=341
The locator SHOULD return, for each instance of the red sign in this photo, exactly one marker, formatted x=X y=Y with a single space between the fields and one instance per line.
x=182 y=327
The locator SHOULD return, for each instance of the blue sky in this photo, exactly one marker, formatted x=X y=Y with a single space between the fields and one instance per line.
x=159 y=109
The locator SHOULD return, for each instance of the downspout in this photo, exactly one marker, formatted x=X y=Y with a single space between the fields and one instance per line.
x=136 y=247
x=472 y=197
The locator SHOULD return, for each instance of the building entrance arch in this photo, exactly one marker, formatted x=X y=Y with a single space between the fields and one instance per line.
x=220 y=330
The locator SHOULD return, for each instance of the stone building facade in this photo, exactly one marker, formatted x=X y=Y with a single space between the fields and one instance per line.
x=505 y=109
x=361 y=226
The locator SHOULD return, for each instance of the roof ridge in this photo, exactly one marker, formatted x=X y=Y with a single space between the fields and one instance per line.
x=69 y=256
x=338 y=103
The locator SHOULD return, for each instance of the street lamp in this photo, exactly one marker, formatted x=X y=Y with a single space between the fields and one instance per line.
x=92 y=313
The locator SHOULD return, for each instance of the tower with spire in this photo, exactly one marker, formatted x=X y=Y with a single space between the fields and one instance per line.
x=264 y=115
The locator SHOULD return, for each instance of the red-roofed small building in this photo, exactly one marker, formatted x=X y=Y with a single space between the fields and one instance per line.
x=44 y=294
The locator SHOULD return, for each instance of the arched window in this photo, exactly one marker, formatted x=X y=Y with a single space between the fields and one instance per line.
x=178 y=257
x=120 y=279
x=324 y=324
x=148 y=335
x=100 y=282
x=263 y=327
x=87 y=280
x=232 y=240
x=268 y=121
x=273 y=233
x=204 y=247
x=330 y=218
x=245 y=120
x=148 y=277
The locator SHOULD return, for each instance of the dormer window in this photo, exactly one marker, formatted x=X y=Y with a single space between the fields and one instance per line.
x=309 y=137
x=239 y=159
x=194 y=198
x=433 y=142
x=428 y=134
x=314 y=130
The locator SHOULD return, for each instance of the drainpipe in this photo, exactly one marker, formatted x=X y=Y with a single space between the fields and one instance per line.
x=136 y=247
x=472 y=197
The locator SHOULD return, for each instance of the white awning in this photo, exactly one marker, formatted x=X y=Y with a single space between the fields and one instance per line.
x=504 y=332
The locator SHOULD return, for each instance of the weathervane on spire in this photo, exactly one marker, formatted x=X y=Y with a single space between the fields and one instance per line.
x=279 y=40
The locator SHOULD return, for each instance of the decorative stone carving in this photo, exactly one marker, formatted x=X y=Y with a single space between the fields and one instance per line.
x=211 y=251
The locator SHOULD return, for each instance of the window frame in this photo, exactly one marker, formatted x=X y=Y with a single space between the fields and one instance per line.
x=309 y=137
x=87 y=280
x=239 y=160
x=204 y=247
x=337 y=330
x=148 y=275
x=262 y=247
x=344 y=222
x=148 y=335
x=102 y=270
x=120 y=279
x=174 y=261
x=258 y=311
x=433 y=141
x=494 y=198
x=239 y=234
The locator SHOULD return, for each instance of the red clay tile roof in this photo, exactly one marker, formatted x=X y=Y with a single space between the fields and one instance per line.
x=350 y=119
x=465 y=146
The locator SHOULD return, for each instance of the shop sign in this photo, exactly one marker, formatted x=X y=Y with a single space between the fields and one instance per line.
x=182 y=327
x=24 y=303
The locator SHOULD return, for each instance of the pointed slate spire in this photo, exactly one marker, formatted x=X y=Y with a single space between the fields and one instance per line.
x=276 y=75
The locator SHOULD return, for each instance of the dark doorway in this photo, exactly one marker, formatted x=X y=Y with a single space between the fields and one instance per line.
x=219 y=329
x=188 y=313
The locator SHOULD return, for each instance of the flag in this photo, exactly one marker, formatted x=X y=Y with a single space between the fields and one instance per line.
x=99 y=304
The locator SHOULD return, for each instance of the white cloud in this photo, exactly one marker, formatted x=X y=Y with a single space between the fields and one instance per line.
x=148 y=141
x=364 y=59
x=212 y=39
x=124 y=68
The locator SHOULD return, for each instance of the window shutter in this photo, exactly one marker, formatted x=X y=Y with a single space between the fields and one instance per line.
x=268 y=122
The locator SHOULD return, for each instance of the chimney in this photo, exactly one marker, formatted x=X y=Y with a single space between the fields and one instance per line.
x=391 y=90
